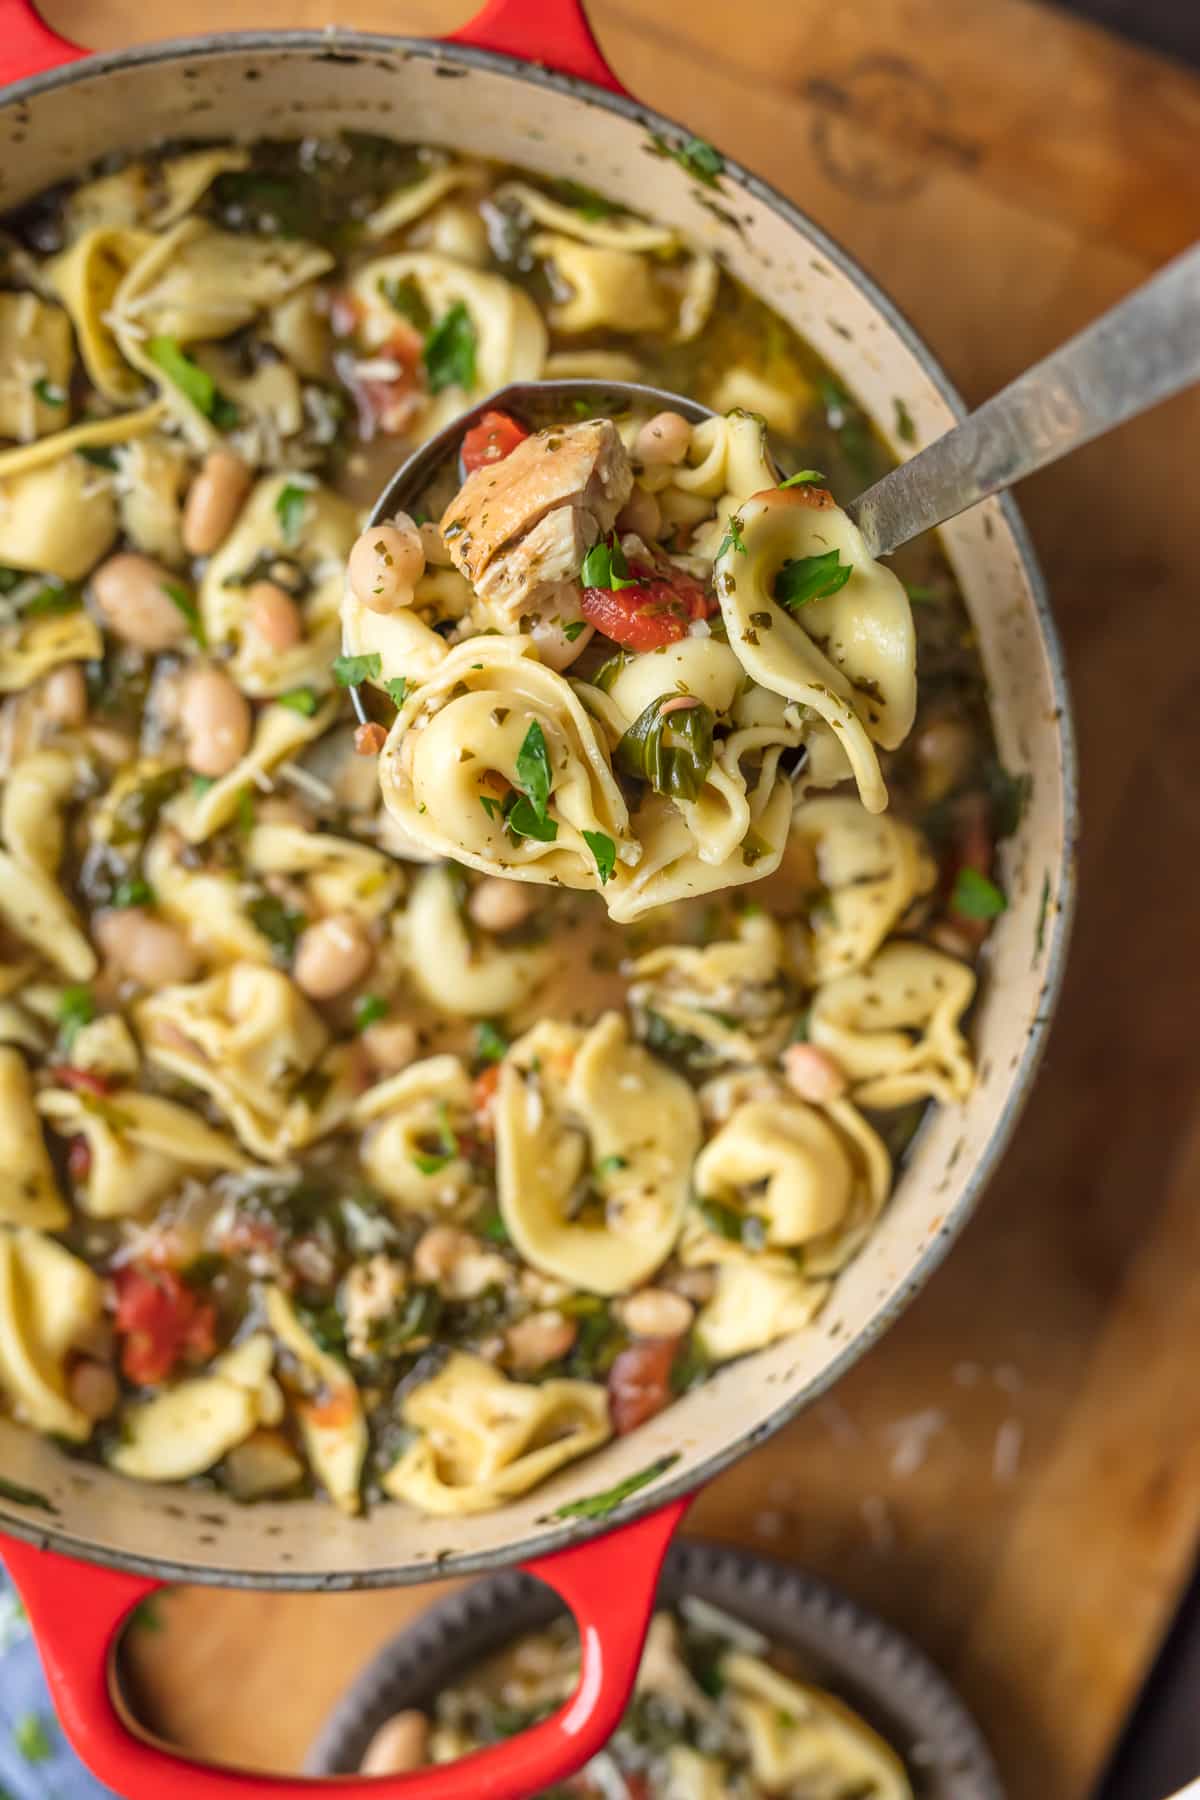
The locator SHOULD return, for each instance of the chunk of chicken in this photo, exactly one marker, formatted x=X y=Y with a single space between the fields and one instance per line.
x=519 y=529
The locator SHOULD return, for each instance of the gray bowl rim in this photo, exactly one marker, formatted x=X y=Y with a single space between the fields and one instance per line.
x=875 y=1667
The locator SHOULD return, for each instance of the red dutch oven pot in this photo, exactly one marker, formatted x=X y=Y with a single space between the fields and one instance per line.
x=526 y=83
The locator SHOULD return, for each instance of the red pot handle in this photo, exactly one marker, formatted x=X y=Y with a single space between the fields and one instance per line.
x=27 y=44
x=77 y=1612
x=553 y=32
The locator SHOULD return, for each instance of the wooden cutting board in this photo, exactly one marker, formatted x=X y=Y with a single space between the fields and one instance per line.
x=1013 y=1475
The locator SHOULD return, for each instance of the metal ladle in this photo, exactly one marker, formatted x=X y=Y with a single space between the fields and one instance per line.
x=1141 y=351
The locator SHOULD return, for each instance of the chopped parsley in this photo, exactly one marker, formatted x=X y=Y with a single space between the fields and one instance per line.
x=733 y=539
x=604 y=566
x=291 y=504
x=975 y=897
x=404 y=297
x=133 y=891
x=48 y=393
x=277 y=923
x=598 y=1506
x=696 y=156
x=25 y=1496
x=31 y=1738
x=430 y=1162
x=490 y=1042
x=183 y=602
x=605 y=853
x=368 y=1010
x=396 y=689
x=1039 y=941
x=301 y=700
x=1009 y=796
x=906 y=431
x=575 y=629
x=449 y=352
x=673 y=754
x=585 y=200
x=608 y=1165
x=76 y=1008
x=98 y=455
x=805 y=578
x=802 y=478
x=490 y=805
x=525 y=812
x=55 y=598
x=194 y=383
x=348 y=671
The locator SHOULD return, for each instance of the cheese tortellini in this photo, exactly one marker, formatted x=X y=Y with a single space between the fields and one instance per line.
x=468 y=736
x=894 y=1026
x=593 y=1114
x=49 y=1300
x=483 y=1439
x=250 y=1040
x=847 y=651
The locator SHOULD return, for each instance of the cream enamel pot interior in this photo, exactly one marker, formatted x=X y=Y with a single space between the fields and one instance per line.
x=53 y=123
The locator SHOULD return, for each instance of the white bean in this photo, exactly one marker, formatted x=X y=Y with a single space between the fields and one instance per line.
x=391 y=1044
x=663 y=439
x=656 y=1313
x=554 y=647
x=439 y=1249
x=398 y=1746
x=385 y=565
x=216 y=721
x=273 y=615
x=144 y=948
x=497 y=904
x=641 y=514
x=131 y=592
x=64 y=695
x=332 y=956
x=214 y=501
x=93 y=1388
x=437 y=556
x=813 y=1074
x=542 y=1338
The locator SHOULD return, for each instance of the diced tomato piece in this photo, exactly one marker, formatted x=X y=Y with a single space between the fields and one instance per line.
x=484 y=1095
x=656 y=612
x=639 y=1382
x=495 y=437
x=79 y=1160
x=161 y=1322
x=81 y=1081
x=335 y=1408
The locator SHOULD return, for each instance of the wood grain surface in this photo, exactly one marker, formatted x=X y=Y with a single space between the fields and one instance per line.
x=1013 y=1475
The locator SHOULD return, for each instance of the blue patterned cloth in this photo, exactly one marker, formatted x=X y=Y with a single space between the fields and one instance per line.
x=36 y=1761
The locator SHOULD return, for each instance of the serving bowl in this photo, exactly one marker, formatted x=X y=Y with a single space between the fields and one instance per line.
x=872 y=1667
x=86 y=1545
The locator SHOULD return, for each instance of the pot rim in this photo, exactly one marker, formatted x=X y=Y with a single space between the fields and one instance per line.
x=339 y=44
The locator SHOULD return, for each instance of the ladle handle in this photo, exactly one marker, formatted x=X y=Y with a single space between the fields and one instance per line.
x=1142 y=351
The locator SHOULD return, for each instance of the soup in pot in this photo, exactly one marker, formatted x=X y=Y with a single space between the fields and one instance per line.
x=405 y=1110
